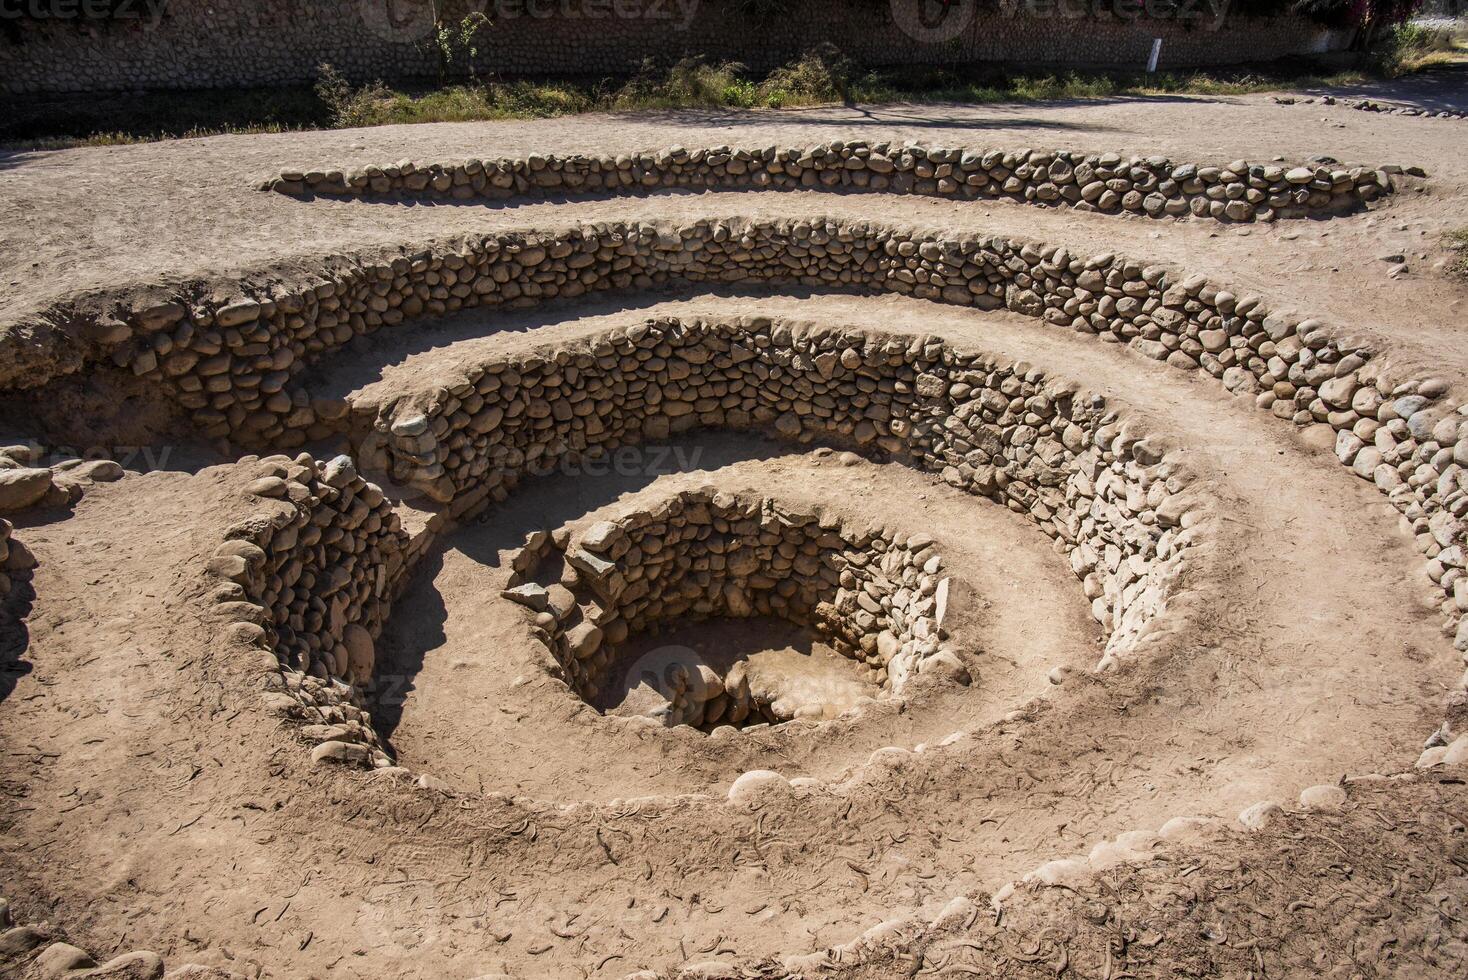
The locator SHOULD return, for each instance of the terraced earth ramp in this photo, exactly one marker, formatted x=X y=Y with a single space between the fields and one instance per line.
x=707 y=593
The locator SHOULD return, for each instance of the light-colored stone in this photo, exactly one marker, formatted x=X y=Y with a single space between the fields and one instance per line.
x=22 y=488
x=1323 y=797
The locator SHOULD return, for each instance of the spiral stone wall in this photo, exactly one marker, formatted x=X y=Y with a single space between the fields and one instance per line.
x=990 y=428
x=1107 y=496
x=1109 y=182
x=233 y=365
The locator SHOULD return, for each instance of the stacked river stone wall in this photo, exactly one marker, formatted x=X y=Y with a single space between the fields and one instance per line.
x=310 y=575
x=1108 y=182
x=866 y=592
x=87 y=47
x=11 y=555
x=234 y=364
x=991 y=428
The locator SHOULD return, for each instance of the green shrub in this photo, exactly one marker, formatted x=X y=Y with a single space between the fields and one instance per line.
x=349 y=106
x=1411 y=46
x=692 y=82
x=822 y=74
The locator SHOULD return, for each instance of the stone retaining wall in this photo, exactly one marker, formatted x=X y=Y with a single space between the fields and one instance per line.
x=991 y=428
x=700 y=554
x=1107 y=496
x=7 y=574
x=17 y=566
x=233 y=364
x=1367 y=105
x=310 y=575
x=271 y=42
x=1110 y=182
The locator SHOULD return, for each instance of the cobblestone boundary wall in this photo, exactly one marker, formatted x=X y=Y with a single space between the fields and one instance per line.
x=191 y=44
x=1368 y=105
x=1106 y=182
x=15 y=566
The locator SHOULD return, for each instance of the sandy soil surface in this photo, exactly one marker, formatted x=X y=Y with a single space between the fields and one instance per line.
x=150 y=804
x=73 y=221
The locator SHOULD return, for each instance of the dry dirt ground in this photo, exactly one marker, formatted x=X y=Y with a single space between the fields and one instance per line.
x=147 y=803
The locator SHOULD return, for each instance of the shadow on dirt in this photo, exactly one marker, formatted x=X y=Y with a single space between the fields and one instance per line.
x=1432 y=89
x=15 y=638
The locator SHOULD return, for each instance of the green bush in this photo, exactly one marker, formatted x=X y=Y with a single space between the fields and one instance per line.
x=350 y=107
x=692 y=82
x=821 y=75
x=1409 y=47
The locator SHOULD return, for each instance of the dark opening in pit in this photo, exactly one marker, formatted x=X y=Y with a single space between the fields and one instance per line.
x=736 y=672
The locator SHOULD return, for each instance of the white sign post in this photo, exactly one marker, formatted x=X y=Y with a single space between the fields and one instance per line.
x=1156 y=50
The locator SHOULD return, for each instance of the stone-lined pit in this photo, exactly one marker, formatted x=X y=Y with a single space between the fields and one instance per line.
x=233 y=364
x=1298 y=369
x=995 y=428
x=1105 y=495
x=870 y=595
